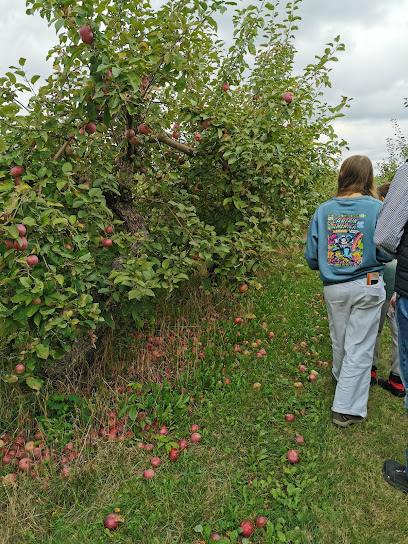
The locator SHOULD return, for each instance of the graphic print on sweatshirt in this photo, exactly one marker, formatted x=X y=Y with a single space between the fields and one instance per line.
x=345 y=240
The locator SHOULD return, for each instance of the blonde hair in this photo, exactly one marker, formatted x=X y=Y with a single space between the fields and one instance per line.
x=356 y=176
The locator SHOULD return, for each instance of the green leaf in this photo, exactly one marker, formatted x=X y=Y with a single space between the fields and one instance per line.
x=22 y=61
x=26 y=282
x=34 y=383
x=42 y=351
x=116 y=71
x=67 y=167
x=133 y=413
x=10 y=378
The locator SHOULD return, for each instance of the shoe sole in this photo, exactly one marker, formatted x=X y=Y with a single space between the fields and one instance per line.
x=395 y=392
x=394 y=484
x=344 y=424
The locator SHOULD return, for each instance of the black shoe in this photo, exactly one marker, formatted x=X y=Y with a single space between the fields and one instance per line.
x=394 y=474
x=374 y=380
x=345 y=420
x=395 y=388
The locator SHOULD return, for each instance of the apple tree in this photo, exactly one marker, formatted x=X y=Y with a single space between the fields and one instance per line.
x=152 y=152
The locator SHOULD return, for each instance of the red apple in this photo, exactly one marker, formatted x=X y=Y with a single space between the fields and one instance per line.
x=155 y=461
x=195 y=437
x=225 y=87
x=143 y=129
x=247 y=528
x=21 y=230
x=23 y=244
x=110 y=522
x=289 y=417
x=243 y=288
x=194 y=428
x=129 y=133
x=32 y=260
x=260 y=521
x=197 y=137
x=9 y=244
x=17 y=171
x=19 y=369
x=183 y=444
x=175 y=135
x=174 y=454
x=68 y=246
x=148 y=474
x=176 y=126
x=292 y=456
x=107 y=242
x=302 y=368
x=288 y=97
x=90 y=127
x=86 y=34
x=299 y=439
x=237 y=321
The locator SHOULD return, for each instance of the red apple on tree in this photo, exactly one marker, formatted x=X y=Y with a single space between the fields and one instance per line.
x=91 y=127
x=107 y=242
x=32 y=260
x=19 y=369
x=23 y=245
x=143 y=129
x=17 y=171
x=288 y=97
x=225 y=87
x=109 y=230
x=86 y=34
x=21 y=230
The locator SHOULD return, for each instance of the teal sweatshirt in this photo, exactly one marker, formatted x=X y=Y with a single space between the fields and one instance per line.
x=340 y=240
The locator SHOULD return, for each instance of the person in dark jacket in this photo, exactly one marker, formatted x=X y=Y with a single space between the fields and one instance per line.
x=391 y=235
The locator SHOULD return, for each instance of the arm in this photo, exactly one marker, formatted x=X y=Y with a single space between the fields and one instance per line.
x=311 y=252
x=394 y=213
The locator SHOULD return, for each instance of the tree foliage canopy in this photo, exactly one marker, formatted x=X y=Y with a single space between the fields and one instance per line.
x=151 y=151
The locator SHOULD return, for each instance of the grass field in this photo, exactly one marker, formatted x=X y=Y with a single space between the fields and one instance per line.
x=334 y=494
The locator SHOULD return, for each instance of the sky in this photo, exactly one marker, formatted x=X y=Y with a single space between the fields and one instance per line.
x=371 y=70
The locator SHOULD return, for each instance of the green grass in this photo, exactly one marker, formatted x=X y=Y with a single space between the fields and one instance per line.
x=335 y=494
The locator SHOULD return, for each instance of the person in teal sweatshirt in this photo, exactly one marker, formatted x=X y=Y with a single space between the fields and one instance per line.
x=340 y=244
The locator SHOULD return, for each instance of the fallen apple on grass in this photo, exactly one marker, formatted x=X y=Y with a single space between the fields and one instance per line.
x=289 y=417
x=247 y=528
x=19 y=369
x=292 y=456
x=148 y=474
x=260 y=521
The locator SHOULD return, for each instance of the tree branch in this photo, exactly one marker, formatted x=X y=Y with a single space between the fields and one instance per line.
x=172 y=143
